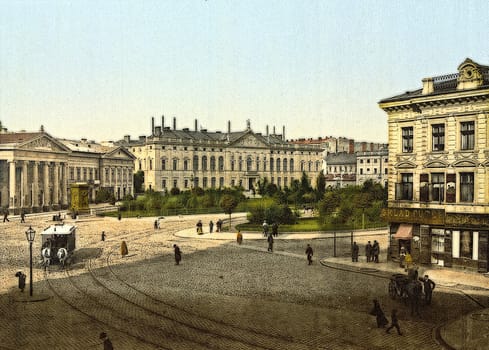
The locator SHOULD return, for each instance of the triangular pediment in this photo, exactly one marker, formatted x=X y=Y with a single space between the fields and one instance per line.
x=119 y=153
x=249 y=140
x=43 y=143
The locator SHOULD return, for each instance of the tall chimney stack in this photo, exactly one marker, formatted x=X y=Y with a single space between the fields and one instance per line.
x=195 y=125
x=162 y=122
x=274 y=130
x=174 y=123
x=283 y=132
x=267 y=130
x=229 y=126
x=152 y=125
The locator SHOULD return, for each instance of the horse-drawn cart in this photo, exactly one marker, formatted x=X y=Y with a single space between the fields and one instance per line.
x=398 y=286
x=58 y=244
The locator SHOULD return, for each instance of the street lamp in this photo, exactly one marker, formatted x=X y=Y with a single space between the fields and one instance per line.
x=30 y=234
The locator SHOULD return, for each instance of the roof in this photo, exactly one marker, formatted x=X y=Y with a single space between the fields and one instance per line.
x=18 y=137
x=341 y=158
x=61 y=229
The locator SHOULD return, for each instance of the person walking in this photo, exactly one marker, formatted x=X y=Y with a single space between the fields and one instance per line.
x=178 y=254
x=394 y=322
x=376 y=251
x=270 y=243
x=379 y=315
x=5 y=216
x=124 y=250
x=103 y=236
x=265 y=228
x=211 y=226
x=368 y=251
x=22 y=216
x=275 y=229
x=309 y=254
x=239 y=237
x=428 y=286
x=354 y=252
x=199 y=227
x=107 y=343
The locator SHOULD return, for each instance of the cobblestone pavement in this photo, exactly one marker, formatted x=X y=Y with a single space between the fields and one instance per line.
x=222 y=296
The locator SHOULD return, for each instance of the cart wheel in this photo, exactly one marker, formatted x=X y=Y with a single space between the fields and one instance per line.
x=392 y=290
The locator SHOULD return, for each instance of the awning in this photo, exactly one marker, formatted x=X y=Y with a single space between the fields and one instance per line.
x=405 y=231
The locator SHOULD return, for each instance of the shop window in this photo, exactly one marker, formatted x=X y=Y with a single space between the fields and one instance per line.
x=466 y=244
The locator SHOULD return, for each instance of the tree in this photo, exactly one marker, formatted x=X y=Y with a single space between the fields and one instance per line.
x=320 y=185
x=138 y=181
x=228 y=204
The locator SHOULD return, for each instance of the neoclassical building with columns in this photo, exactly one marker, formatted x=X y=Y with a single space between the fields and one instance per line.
x=184 y=158
x=37 y=170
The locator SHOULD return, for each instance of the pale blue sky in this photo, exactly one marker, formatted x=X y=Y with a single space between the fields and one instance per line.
x=102 y=69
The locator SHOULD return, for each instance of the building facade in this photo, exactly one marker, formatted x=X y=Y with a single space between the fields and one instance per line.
x=37 y=170
x=341 y=169
x=372 y=165
x=438 y=182
x=183 y=158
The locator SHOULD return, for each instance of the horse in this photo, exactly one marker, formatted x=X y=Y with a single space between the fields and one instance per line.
x=413 y=290
x=46 y=257
x=62 y=256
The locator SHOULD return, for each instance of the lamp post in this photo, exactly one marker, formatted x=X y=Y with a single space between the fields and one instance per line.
x=30 y=234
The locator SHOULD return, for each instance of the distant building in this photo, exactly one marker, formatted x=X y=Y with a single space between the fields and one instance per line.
x=341 y=169
x=438 y=178
x=372 y=165
x=184 y=158
x=36 y=170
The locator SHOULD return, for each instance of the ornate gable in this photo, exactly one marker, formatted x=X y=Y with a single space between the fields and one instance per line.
x=43 y=143
x=249 y=140
x=119 y=153
x=470 y=75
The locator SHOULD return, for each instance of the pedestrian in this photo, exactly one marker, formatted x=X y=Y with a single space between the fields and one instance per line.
x=265 y=228
x=218 y=225
x=414 y=294
x=309 y=254
x=239 y=237
x=394 y=322
x=428 y=286
x=211 y=226
x=124 y=250
x=22 y=217
x=155 y=224
x=270 y=243
x=275 y=229
x=379 y=315
x=376 y=251
x=21 y=277
x=5 y=215
x=103 y=236
x=199 y=227
x=107 y=342
x=402 y=256
x=408 y=261
x=354 y=252
x=119 y=216
x=178 y=254
x=368 y=251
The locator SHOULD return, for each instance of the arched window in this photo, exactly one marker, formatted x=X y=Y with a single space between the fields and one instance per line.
x=185 y=164
x=257 y=163
x=196 y=163
x=163 y=163
x=309 y=166
x=303 y=166
x=240 y=164
x=317 y=165
x=204 y=163
x=213 y=182
x=285 y=166
x=175 y=163
x=249 y=163
x=213 y=164
x=291 y=164
x=221 y=163
x=278 y=164
x=271 y=164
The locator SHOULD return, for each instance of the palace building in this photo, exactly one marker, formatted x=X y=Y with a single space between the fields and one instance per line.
x=184 y=158
x=438 y=180
x=37 y=170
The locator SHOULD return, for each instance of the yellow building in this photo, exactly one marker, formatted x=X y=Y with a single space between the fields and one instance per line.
x=438 y=179
x=184 y=158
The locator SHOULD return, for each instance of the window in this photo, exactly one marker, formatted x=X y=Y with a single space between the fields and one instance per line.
x=151 y=164
x=284 y=168
x=438 y=187
x=213 y=182
x=204 y=182
x=175 y=164
x=249 y=163
x=467 y=135
x=163 y=183
x=438 y=137
x=466 y=244
x=278 y=164
x=361 y=161
x=407 y=140
x=72 y=174
x=240 y=164
x=232 y=165
x=404 y=190
x=185 y=183
x=221 y=182
x=175 y=183
x=361 y=171
x=466 y=187
x=213 y=163
x=291 y=164
x=220 y=163
x=163 y=164
x=257 y=163
x=185 y=165
x=271 y=164
x=195 y=162
x=204 y=163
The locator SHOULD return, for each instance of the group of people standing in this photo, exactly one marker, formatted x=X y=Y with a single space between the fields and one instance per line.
x=218 y=225
x=372 y=251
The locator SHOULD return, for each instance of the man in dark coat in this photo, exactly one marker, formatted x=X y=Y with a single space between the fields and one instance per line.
x=376 y=251
x=394 y=323
x=178 y=254
x=107 y=342
x=379 y=315
x=309 y=254
x=428 y=286
x=211 y=226
x=368 y=251
x=354 y=252
x=275 y=229
x=270 y=243
x=5 y=216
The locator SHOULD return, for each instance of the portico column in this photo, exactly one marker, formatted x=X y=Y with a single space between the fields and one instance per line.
x=12 y=185
x=46 y=199
x=23 y=184
x=64 y=182
x=35 y=185
x=56 y=184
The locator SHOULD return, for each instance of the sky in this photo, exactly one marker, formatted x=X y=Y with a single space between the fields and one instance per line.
x=101 y=69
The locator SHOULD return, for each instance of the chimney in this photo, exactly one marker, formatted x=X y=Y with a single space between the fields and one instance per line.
x=174 y=123
x=267 y=130
x=229 y=126
x=157 y=130
x=127 y=138
x=428 y=86
x=162 y=122
x=283 y=132
x=274 y=130
x=152 y=125
x=195 y=125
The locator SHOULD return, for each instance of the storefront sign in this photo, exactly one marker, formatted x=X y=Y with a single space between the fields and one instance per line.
x=467 y=220
x=411 y=215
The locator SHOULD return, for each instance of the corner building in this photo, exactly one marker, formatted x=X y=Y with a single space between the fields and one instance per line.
x=438 y=182
x=183 y=159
